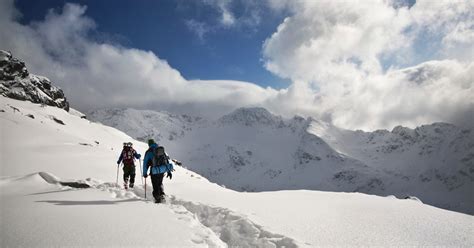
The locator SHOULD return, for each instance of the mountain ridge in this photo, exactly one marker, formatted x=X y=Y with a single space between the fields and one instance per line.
x=273 y=153
x=17 y=83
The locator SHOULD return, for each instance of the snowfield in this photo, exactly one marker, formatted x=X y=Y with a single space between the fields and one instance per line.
x=38 y=153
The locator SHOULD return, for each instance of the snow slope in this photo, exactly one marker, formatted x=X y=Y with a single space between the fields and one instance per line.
x=434 y=162
x=37 y=211
x=251 y=149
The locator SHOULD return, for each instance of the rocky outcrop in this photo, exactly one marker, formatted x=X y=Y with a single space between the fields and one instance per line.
x=17 y=83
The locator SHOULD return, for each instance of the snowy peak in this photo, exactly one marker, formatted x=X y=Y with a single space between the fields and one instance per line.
x=145 y=124
x=17 y=83
x=433 y=136
x=252 y=117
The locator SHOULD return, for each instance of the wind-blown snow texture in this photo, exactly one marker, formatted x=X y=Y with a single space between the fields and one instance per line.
x=39 y=152
x=251 y=149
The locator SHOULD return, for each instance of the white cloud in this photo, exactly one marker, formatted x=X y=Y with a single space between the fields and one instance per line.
x=232 y=14
x=336 y=52
x=198 y=28
x=322 y=34
x=223 y=6
x=450 y=23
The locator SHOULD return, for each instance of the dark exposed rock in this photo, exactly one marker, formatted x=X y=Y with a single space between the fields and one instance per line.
x=347 y=176
x=17 y=83
x=14 y=109
x=75 y=185
x=57 y=120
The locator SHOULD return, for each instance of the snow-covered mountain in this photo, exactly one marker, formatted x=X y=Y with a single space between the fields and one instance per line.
x=434 y=162
x=16 y=82
x=251 y=149
x=143 y=124
x=38 y=153
x=248 y=150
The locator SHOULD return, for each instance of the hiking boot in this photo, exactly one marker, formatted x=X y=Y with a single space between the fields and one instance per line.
x=157 y=200
x=131 y=185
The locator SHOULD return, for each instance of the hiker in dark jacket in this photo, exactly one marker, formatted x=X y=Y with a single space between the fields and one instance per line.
x=128 y=156
x=158 y=164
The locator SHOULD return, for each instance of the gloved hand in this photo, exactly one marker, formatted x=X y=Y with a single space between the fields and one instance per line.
x=118 y=163
x=139 y=156
x=145 y=175
x=169 y=175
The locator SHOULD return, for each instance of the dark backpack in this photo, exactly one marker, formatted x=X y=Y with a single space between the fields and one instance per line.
x=159 y=156
x=127 y=155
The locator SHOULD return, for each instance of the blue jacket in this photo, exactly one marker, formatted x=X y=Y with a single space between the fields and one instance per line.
x=148 y=162
x=135 y=154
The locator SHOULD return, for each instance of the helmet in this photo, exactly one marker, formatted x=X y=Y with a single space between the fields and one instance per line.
x=130 y=144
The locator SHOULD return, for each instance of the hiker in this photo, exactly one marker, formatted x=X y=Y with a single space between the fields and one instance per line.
x=158 y=160
x=128 y=156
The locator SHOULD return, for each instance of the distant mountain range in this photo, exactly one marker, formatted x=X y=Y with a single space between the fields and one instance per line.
x=251 y=149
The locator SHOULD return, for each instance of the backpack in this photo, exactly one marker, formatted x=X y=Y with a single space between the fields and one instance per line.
x=127 y=155
x=159 y=156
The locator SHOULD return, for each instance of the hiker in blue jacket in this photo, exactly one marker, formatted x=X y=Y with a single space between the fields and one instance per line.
x=158 y=161
x=127 y=156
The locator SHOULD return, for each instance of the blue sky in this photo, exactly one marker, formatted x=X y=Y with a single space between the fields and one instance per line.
x=231 y=53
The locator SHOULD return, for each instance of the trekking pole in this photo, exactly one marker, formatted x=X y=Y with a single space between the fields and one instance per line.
x=116 y=180
x=141 y=169
x=145 y=188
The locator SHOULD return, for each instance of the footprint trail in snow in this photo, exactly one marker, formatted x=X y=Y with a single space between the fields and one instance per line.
x=233 y=229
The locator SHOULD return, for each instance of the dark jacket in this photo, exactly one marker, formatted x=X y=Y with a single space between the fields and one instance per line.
x=135 y=154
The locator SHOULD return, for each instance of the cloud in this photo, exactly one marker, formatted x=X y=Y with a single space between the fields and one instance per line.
x=227 y=17
x=364 y=65
x=323 y=34
x=447 y=25
x=198 y=28
x=231 y=15
x=350 y=60
x=95 y=75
